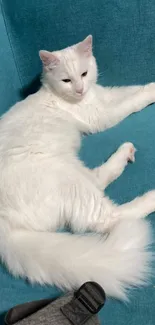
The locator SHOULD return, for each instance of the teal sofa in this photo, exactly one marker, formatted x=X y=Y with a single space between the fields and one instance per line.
x=124 y=44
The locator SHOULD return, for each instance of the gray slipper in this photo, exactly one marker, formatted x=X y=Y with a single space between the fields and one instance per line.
x=76 y=308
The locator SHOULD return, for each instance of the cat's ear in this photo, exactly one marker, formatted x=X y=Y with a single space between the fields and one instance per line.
x=85 y=47
x=48 y=59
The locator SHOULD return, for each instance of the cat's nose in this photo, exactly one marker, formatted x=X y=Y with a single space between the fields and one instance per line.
x=79 y=90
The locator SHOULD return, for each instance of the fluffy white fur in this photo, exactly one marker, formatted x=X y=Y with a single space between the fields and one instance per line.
x=43 y=185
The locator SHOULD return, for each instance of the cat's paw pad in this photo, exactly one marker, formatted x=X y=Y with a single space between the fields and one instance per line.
x=128 y=150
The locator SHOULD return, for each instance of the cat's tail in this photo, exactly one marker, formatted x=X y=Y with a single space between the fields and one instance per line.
x=117 y=262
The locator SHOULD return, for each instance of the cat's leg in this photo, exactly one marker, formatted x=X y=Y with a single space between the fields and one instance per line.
x=85 y=207
x=118 y=110
x=140 y=207
x=116 y=94
x=110 y=110
x=115 y=165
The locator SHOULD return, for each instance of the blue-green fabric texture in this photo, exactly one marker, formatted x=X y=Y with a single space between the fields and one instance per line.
x=124 y=45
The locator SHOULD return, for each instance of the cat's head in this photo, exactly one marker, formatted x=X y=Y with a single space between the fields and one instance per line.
x=72 y=71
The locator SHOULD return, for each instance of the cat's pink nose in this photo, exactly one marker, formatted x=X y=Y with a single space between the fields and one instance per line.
x=79 y=91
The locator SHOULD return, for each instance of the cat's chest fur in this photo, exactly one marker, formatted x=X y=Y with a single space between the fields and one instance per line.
x=80 y=110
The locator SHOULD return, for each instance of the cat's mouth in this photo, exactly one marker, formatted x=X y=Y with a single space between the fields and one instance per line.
x=75 y=97
x=79 y=95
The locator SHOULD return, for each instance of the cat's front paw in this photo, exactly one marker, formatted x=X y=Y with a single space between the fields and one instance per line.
x=128 y=150
x=150 y=90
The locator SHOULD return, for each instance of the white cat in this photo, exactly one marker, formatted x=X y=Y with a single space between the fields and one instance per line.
x=43 y=185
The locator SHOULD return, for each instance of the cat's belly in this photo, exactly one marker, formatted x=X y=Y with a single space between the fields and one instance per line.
x=31 y=186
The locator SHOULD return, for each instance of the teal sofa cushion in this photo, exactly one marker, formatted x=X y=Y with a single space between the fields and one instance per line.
x=124 y=44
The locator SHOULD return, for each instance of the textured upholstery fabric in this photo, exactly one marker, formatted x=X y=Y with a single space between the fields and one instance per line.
x=124 y=44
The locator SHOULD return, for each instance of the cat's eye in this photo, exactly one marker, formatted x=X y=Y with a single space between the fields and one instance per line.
x=84 y=73
x=66 y=80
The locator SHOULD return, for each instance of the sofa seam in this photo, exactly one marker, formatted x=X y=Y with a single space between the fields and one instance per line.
x=10 y=43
